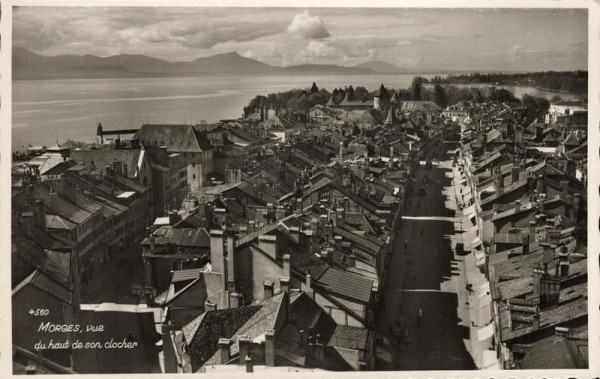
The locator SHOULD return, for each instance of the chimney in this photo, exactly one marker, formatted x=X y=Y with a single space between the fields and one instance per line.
x=268 y=289
x=577 y=206
x=225 y=349
x=299 y=205
x=287 y=270
x=236 y=300
x=244 y=342
x=537 y=276
x=341 y=217
x=284 y=283
x=270 y=348
x=268 y=243
x=152 y=241
x=216 y=250
x=295 y=234
x=309 y=291
x=541 y=184
x=30 y=370
x=174 y=218
x=108 y=171
x=231 y=272
x=249 y=364
x=322 y=221
x=515 y=171
x=564 y=268
x=525 y=245
x=209 y=306
x=221 y=218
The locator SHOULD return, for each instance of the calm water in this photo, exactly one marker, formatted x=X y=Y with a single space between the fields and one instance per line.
x=47 y=110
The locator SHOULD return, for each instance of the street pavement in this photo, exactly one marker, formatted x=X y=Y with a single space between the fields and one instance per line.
x=426 y=278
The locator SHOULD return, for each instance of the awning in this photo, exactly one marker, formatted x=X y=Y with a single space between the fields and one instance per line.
x=476 y=242
x=468 y=210
x=484 y=310
x=479 y=258
x=485 y=333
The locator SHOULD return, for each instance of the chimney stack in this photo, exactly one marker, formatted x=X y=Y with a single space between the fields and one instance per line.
x=210 y=306
x=244 y=342
x=225 y=349
x=268 y=289
x=270 y=348
x=249 y=364
x=287 y=270
x=236 y=300
x=515 y=171
x=309 y=290
x=284 y=283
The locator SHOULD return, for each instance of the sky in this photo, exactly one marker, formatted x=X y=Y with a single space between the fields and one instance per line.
x=449 y=39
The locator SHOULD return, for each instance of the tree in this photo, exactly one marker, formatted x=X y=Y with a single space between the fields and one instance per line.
x=356 y=130
x=314 y=88
x=555 y=99
x=416 y=86
x=439 y=96
x=361 y=94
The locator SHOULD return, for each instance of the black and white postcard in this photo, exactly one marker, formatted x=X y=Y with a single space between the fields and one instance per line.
x=259 y=188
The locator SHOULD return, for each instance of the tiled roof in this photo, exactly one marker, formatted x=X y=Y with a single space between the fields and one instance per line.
x=188 y=237
x=60 y=206
x=261 y=321
x=202 y=334
x=346 y=284
x=177 y=138
x=102 y=158
x=349 y=337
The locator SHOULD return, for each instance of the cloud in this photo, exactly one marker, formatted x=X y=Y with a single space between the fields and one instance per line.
x=307 y=26
x=403 y=62
x=318 y=50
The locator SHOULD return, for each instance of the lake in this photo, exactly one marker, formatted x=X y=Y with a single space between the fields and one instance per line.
x=44 y=111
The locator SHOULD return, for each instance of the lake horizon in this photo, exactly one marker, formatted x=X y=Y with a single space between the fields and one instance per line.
x=50 y=110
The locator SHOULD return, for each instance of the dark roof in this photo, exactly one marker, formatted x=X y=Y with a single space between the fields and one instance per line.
x=177 y=138
x=102 y=158
x=202 y=334
x=191 y=237
x=349 y=337
x=46 y=284
x=346 y=284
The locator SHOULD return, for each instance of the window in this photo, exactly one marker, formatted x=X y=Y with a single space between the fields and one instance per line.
x=193 y=164
x=185 y=155
x=194 y=176
x=193 y=155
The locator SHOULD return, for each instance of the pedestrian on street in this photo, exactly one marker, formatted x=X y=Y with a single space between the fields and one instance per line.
x=405 y=244
x=421 y=233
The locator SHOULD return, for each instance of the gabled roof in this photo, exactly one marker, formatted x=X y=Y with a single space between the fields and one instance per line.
x=183 y=237
x=202 y=334
x=99 y=159
x=41 y=281
x=346 y=284
x=176 y=137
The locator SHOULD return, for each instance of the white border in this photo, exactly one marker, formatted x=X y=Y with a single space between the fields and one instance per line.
x=593 y=163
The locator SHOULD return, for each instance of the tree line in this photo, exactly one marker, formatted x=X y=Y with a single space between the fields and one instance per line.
x=568 y=81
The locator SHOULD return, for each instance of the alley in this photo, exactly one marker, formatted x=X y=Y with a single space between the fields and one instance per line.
x=423 y=278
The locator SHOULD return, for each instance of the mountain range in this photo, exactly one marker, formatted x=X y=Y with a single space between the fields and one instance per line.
x=29 y=65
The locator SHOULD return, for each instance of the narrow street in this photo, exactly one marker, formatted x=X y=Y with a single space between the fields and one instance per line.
x=424 y=278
